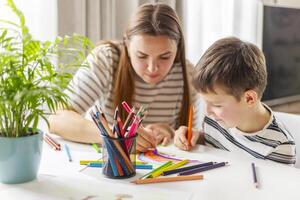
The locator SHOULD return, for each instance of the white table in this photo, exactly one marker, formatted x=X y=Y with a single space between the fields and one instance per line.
x=60 y=179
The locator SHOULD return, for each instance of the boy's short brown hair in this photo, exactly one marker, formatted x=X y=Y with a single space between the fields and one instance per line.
x=232 y=64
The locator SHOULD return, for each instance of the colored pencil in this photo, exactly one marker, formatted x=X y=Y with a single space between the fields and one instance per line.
x=96 y=147
x=158 y=169
x=52 y=139
x=254 y=176
x=96 y=164
x=176 y=165
x=182 y=169
x=105 y=130
x=168 y=179
x=202 y=169
x=126 y=106
x=128 y=120
x=68 y=152
x=52 y=143
x=85 y=162
x=190 y=125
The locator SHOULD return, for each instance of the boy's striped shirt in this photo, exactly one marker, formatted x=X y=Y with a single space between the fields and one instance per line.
x=273 y=142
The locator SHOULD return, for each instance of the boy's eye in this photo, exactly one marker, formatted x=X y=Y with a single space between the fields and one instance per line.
x=217 y=106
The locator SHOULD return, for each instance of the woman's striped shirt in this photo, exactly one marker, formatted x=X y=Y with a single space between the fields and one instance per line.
x=274 y=142
x=95 y=85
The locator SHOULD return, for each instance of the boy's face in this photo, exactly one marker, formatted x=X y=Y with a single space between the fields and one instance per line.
x=224 y=108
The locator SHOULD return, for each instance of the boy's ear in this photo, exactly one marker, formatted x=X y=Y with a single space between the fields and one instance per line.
x=250 y=97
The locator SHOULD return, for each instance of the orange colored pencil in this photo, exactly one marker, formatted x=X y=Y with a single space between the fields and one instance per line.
x=53 y=140
x=190 y=125
x=52 y=144
x=168 y=179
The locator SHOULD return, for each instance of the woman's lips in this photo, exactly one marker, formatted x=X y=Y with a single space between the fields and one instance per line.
x=152 y=75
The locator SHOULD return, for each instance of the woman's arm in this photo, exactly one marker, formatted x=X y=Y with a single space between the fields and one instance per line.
x=72 y=126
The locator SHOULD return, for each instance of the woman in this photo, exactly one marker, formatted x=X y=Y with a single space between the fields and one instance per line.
x=148 y=67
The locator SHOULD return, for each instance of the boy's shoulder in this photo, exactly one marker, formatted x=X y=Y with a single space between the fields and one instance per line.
x=274 y=130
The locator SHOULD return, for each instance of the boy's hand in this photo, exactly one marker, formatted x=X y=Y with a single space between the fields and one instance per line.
x=145 y=140
x=181 y=141
x=162 y=132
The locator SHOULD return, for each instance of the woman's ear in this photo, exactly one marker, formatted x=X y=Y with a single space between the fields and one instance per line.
x=250 y=97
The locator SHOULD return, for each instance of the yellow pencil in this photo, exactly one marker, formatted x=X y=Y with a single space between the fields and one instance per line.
x=158 y=172
x=176 y=165
x=168 y=179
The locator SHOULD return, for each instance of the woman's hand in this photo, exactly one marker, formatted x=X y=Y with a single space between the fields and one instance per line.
x=162 y=132
x=181 y=141
x=145 y=140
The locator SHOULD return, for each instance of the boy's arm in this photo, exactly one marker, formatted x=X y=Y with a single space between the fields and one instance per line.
x=284 y=153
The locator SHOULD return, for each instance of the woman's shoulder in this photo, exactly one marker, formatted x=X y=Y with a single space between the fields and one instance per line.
x=108 y=48
x=106 y=54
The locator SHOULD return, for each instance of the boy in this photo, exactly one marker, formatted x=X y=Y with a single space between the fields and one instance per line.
x=231 y=78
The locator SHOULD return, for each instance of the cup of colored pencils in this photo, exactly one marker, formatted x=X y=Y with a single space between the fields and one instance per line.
x=118 y=142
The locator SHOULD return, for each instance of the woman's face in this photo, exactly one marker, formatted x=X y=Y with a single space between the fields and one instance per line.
x=151 y=56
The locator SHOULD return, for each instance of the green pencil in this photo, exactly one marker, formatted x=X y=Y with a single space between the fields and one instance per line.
x=96 y=147
x=157 y=169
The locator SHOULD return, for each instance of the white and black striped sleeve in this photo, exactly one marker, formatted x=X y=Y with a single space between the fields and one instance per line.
x=285 y=149
x=91 y=83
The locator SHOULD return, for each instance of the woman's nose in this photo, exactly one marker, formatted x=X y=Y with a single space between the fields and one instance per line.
x=152 y=66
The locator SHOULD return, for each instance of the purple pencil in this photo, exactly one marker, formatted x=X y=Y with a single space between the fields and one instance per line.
x=183 y=169
x=201 y=169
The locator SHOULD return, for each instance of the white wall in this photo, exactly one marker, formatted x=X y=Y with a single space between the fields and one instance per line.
x=207 y=21
x=40 y=16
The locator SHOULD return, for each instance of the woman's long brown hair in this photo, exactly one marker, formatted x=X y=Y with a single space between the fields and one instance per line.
x=154 y=20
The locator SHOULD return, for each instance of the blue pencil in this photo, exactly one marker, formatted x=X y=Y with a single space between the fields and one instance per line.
x=99 y=165
x=68 y=152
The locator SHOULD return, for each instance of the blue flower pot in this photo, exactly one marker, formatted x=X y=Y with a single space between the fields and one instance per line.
x=20 y=158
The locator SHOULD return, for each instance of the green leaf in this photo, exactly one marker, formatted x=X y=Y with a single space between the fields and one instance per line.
x=32 y=74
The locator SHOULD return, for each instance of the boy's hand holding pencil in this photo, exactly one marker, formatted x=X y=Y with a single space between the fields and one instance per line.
x=181 y=140
x=162 y=132
x=185 y=138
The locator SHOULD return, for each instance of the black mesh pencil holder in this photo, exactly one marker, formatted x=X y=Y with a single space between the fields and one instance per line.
x=119 y=157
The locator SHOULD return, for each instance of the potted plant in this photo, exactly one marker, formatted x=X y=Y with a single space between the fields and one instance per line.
x=31 y=78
